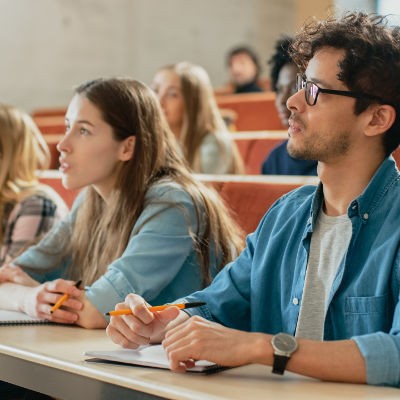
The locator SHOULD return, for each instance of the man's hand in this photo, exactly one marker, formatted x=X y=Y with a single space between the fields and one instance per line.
x=200 y=339
x=142 y=326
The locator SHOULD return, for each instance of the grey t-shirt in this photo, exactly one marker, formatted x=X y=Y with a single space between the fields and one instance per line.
x=329 y=243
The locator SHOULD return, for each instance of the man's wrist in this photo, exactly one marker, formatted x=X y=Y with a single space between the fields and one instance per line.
x=263 y=352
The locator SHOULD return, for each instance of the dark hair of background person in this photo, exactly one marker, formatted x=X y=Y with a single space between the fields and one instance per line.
x=371 y=63
x=250 y=52
x=280 y=58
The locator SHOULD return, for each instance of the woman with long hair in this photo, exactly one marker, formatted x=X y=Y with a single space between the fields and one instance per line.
x=189 y=105
x=142 y=224
x=28 y=209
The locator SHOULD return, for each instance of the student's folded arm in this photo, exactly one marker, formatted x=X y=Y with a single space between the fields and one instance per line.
x=13 y=296
x=29 y=220
x=159 y=262
x=381 y=351
x=46 y=260
x=338 y=361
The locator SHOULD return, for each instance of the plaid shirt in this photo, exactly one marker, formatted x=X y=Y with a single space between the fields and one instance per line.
x=28 y=221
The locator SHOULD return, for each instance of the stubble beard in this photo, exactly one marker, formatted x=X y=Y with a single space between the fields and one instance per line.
x=320 y=147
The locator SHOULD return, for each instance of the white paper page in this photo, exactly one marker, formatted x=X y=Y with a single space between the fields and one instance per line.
x=151 y=356
x=15 y=316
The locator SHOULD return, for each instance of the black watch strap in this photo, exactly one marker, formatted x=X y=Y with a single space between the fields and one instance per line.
x=279 y=364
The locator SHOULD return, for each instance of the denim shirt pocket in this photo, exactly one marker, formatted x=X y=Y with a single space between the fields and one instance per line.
x=366 y=315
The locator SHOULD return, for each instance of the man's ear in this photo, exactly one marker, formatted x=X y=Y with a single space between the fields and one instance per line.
x=382 y=118
x=127 y=148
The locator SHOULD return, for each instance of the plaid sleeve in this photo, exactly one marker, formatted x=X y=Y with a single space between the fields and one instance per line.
x=28 y=221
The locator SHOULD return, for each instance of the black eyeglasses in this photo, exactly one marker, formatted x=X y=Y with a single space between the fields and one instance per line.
x=312 y=91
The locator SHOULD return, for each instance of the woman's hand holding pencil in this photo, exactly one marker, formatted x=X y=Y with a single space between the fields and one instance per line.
x=63 y=298
x=58 y=301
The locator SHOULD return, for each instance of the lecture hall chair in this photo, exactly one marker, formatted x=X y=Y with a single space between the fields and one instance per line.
x=49 y=112
x=53 y=179
x=248 y=198
x=52 y=141
x=254 y=111
x=50 y=124
x=255 y=146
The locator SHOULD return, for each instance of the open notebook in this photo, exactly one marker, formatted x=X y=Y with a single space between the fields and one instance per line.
x=150 y=356
x=18 y=318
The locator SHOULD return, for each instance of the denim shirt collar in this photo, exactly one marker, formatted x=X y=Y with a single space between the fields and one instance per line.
x=384 y=178
x=364 y=205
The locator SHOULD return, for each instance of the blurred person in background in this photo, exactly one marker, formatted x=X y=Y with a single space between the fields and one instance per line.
x=189 y=105
x=244 y=70
x=28 y=209
x=283 y=81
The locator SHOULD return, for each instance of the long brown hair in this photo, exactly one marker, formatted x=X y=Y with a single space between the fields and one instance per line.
x=23 y=151
x=202 y=117
x=102 y=231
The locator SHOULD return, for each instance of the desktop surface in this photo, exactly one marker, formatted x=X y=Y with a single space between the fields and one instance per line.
x=50 y=359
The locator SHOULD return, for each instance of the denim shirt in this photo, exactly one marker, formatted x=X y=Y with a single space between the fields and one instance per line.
x=261 y=290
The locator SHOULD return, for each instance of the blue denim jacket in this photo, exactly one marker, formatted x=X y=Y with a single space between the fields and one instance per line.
x=262 y=290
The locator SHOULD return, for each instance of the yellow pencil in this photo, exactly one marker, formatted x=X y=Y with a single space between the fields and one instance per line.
x=63 y=298
x=157 y=308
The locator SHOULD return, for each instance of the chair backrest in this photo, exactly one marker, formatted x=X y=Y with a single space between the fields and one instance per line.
x=254 y=147
x=52 y=141
x=248 y=198
x=53 y=179
x=255 y=111
x=49 y=112
x=53 y=124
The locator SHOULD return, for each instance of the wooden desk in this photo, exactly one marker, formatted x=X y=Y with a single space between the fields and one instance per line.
x=50 y=359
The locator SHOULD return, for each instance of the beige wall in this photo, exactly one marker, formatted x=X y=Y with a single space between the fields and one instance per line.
x=312 y=8
x=49 y=46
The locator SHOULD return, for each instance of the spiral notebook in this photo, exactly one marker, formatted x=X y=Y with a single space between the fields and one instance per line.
x=151 y=356
x=18 y=318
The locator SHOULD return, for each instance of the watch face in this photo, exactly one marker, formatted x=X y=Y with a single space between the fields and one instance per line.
x=284 y=343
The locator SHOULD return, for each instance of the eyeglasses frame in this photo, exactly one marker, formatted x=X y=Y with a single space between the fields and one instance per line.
x=347 y=93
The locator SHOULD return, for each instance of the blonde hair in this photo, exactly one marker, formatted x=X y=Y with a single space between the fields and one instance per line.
x=102 y=231
x=202 y=116
x=23 y=151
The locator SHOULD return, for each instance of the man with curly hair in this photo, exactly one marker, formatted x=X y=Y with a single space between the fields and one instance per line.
x=317 y=288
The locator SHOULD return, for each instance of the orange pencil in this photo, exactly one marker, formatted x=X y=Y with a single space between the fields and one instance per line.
x=63 y=298
x=157 y=308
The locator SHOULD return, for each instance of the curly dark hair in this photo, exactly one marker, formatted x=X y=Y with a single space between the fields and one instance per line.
x=371 y=63
x=280 y=58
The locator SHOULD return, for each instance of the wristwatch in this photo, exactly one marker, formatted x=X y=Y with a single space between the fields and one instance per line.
x=284 y=346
